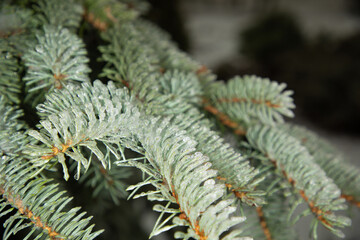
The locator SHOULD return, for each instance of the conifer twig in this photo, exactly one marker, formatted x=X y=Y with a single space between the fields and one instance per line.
x=263 y=223
x=316 y=210
x=238 y=130
x=351 y=199
x=25 y=211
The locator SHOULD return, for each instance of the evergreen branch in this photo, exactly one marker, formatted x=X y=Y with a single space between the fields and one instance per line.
x=51 y=12
x=24 y=211
x=103 y=14
x=169 y=55
x=200 y=179
x=108 y=103
x=297 y=166
x=170 y=99
x=170 y=153
x=11 y=139
x=251 y=99
x=181 y=85
x=43 y=209
x=177 y=85
x=234 y=171
x=10 y=85
x=189 y=179
x=224 y=119
x=59 y=57
x=65 y=133
x=270 y=221
x=17 y=187
x=106 y=183
x=263 y=223
x=127 y=60
x=14 y=20
x=345 y=175
x=135 y=65
x=18 y=25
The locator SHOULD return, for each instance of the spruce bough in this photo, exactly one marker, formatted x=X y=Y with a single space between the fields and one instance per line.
x=157 y=110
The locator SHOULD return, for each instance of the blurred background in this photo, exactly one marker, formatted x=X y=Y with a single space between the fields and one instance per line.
x=312 y=46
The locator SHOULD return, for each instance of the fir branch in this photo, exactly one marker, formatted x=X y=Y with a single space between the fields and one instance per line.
x=297 y=166
x=59 y=57
x=234 y=171
x=127 y=60
x=10 y=85
x=24 y=211
x=14 y=20
x=135 y=65
x=43 y=209
x=251 y=99
x=224 y=119
x=199 y=177
x=263 y=223
x=51 y=12
x=170 y=56
x=270 y=221
x=189 y=179
x=103 y=14
x=345 y=175
x=170 y=154
x=12 y=140
x=106 y=183
x=17 y=187
x=18 y=26
x=65 y=133
x=171 y=103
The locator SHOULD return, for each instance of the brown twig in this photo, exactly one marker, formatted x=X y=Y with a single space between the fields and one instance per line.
x=183 y=215
x=56 y=150
x=237 y=192
x=255 y=101
x=351 y=199
x=238 y=130
x=96 y=22
x=316 y=210
x=18 y=203
x=201 y=70
x=11 y=33
x=263 y=223
x=106 y=175
x=58 y=79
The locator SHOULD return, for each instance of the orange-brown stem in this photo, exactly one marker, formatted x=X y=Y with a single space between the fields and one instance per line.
x=11 y=33
x=316 y=210
x=351 y=200
x=238 y=130
x=58 y=79
x=202 y=69
x=109 y=14
x=263 y=223
x=96 y=22
x=237 y=192
x=56 y=150
x=105 y=173
x=241 y=195
x=255 y=101
x=126 y=84
x=183 y=215
x=18 y=203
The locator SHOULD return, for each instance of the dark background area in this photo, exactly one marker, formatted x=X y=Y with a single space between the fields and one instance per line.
x=321 y=65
